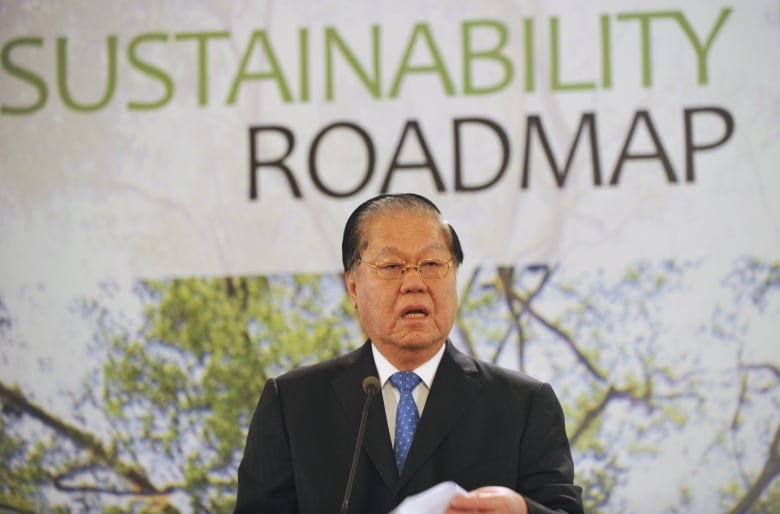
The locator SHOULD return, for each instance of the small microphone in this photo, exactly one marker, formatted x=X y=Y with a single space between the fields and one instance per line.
x=371 y=387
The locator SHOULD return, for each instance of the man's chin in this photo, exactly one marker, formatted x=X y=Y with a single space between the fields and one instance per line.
x=419 y=344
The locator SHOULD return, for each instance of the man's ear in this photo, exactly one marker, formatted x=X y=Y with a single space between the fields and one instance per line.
x=349 y=281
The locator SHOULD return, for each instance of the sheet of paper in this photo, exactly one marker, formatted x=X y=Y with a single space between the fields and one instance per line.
x=430 y=501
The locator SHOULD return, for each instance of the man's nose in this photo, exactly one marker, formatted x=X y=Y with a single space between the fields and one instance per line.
x=412 y=281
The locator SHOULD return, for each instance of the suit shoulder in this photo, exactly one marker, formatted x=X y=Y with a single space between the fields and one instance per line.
x=488 y=373
x=517 y=390
x=322 y=371
x=505 y=377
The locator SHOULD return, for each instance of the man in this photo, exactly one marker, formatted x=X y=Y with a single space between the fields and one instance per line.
x=497 y=433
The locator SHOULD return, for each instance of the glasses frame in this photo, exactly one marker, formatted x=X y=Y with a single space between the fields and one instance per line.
x=405 y=266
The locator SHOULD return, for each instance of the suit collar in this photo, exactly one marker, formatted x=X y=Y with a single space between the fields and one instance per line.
x=454 y=388
x=357 y=365
x=426 y=371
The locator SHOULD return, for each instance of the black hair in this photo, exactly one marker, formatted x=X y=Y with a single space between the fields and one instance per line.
x=385 y=204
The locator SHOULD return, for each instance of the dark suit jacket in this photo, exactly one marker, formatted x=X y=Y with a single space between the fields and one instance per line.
x=482 y=425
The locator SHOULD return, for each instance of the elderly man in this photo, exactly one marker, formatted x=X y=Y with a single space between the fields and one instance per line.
x=439 y=415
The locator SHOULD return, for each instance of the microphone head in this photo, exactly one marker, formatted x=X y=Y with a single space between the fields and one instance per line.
x=371 y=385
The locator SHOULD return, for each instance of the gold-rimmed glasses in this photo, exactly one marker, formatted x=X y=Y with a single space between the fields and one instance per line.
x=394 y=269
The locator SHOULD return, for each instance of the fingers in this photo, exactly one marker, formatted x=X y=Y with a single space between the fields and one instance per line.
x=492 y=499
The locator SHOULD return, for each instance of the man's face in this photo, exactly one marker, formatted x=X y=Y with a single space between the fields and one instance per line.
x=407 y=318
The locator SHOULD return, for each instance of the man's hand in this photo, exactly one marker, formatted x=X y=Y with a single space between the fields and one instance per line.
x=488 y=500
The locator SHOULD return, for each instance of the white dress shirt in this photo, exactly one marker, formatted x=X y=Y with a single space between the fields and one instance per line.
x=391 y=395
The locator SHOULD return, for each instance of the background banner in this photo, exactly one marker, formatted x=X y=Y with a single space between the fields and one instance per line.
x=175 y=177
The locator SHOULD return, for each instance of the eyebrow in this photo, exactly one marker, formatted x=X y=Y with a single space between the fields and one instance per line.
x=394 y=250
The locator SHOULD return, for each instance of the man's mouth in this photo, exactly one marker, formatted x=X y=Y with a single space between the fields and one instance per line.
x=414 y=313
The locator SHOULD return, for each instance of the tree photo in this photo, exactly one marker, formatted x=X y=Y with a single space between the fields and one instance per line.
x=158 y=422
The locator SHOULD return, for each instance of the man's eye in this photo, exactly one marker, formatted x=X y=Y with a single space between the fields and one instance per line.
x=391 y=266
x=432 y=264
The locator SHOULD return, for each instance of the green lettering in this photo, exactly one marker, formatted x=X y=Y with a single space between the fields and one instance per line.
x=701 y=51
x=62 y=77
x=303 y=44
x=25 y=75
x=275 y=73
x=530 y=77
x=606 y=55
x=150 y=70
x=644 y=38
x=202 y=38
x=332 y=39
x=494 y=54
x=437 y=66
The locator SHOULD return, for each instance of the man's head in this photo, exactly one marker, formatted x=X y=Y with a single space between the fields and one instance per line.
x=400 y=259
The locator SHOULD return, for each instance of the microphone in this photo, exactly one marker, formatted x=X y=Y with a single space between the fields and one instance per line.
x=371 y=387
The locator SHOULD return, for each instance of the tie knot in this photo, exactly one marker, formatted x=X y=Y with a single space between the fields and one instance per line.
x=405 y=380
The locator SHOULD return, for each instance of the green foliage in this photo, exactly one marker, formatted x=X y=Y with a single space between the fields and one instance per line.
x=177 y=390
x=190 y=378
x=623 y=385
x=768 y=503
x=19 y=476
x=597 y=486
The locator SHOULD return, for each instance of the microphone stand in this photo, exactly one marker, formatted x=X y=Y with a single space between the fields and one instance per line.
x=371 y=387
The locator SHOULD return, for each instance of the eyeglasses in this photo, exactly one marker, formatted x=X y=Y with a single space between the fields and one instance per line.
x=391 y=269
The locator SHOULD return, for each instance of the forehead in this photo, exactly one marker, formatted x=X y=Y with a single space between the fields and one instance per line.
x=406 y=233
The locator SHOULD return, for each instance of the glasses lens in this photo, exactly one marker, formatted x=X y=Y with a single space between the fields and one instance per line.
x=390 y=269
x=433 y=268
x=430 y=268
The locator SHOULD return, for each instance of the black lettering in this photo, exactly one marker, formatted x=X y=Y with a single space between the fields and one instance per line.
x=691 y=147
x=314 y=172
x=457 y=124
x=428 y=163
x=658 y=154
x=534 y=124
x=255 y=163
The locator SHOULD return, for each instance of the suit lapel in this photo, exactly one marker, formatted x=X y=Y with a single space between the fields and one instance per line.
x=349 y=389
x=452 y=391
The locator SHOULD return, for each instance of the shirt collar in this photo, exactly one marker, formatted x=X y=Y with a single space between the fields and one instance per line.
x=426 y=371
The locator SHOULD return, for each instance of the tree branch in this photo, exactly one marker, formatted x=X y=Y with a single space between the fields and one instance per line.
x=506 y=275
x=140 y=484
x=20 y=509
x=465 y=336
x=768 y=473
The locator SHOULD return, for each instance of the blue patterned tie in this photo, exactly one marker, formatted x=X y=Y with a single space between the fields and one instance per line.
x=406 y=417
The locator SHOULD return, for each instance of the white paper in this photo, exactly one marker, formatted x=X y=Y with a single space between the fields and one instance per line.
x=430 y=501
